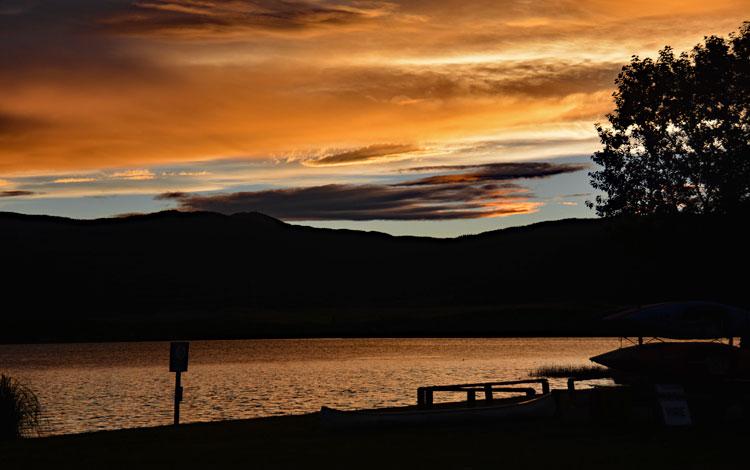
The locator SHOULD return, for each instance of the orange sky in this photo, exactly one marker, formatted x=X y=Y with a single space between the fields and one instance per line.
x=96 y=93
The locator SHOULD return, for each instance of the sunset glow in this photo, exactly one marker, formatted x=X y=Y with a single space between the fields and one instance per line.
x=108 y=105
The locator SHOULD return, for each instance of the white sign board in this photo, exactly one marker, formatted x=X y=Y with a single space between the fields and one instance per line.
x=675 y=412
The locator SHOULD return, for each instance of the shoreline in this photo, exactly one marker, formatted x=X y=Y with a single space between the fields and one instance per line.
x=520 y=335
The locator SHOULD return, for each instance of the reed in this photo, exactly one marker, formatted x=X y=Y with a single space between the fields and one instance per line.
x=20 y=412
x=578 y=372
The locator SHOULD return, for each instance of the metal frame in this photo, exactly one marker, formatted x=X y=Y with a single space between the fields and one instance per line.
x=425 y=394
x=651 y=339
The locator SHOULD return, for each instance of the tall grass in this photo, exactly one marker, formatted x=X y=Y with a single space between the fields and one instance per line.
x=578 y=372
x=20 y=411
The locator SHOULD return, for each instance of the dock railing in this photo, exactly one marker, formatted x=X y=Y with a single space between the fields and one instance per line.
x=425 y=395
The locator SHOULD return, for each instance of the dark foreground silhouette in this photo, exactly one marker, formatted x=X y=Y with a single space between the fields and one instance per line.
x=205 y=275
x=299 y=442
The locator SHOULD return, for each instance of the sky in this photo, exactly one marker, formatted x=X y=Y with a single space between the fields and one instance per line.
x=437 y=117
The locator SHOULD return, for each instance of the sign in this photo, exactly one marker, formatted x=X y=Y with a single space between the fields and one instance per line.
x=178 y=356
x=675 y=412
x=674 y=406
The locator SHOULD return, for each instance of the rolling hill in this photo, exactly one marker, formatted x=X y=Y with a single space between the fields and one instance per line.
x=205 y=275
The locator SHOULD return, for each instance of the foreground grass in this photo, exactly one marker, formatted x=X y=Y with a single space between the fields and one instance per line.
x=298 y=442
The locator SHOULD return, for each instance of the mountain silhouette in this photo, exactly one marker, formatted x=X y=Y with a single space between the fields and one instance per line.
x=206 y=275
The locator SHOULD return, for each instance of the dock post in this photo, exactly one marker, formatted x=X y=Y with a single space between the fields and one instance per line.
x=488 y=392
x=545 y=387
x=420 y=397
x=177 y=398
x=471 y=397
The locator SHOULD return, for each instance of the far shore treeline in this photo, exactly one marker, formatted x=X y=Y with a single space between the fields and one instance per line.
x=205 y=275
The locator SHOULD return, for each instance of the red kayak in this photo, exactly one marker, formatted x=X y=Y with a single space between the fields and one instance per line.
x=680 y=360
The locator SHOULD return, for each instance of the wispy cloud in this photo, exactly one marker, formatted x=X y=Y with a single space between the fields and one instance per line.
x=416 y=83
x=367 y=154
x=113 y=84
x=73 y=180
x=134 y=175
x=140 y=97
x=16 y=193
x=492 y=172
x=196 y=18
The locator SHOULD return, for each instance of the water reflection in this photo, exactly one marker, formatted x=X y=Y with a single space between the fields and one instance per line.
x=87 y=387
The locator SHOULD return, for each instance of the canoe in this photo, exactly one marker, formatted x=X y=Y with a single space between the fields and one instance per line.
x=683 y=360
x=683 y=320
x=450 y=413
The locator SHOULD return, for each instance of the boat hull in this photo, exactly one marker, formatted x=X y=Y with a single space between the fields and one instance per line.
x=539 y=407
x=683 y=360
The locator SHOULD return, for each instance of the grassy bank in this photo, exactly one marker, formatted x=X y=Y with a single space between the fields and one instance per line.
x=297 y=442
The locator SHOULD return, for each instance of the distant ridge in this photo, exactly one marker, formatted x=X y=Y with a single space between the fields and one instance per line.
x=206 y=275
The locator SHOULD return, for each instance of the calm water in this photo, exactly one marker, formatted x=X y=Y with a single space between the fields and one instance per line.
x=89 y=387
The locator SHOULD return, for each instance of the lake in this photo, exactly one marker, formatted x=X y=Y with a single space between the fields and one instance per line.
x=97 y=386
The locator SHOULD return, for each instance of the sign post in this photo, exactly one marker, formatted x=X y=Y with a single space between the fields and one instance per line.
x=178 y=363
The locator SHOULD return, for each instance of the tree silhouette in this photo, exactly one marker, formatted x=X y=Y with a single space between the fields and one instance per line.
x=679 y=137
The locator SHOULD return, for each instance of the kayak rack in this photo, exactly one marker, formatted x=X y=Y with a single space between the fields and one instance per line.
x=425 y=394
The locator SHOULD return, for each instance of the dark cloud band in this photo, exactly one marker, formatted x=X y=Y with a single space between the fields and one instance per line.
x=16 y=193
x=493 y=172
x=209 y=18
x=486 y=191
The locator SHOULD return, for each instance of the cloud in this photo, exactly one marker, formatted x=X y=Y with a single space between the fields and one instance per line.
x=367 y=202
x=364 y=154
x=524 y=143
x=173 y=195
x=186 y=173
x=414 y=83
x=198 y=18
x=493 y=172
x=16 y=193
x=73 y=180
x=485 y=191
x=134 y=175
x=123 y=181
x=98 y=84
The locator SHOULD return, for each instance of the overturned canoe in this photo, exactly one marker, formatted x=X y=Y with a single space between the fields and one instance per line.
x=680 y=360
x=684 y=320
x=449 y=413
